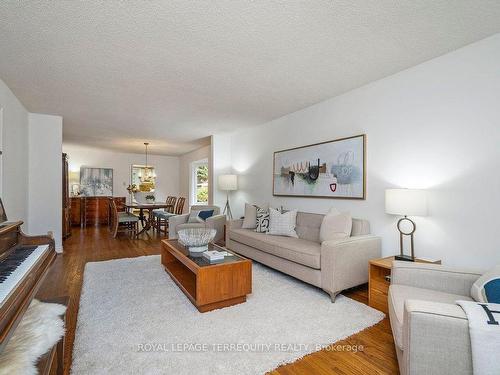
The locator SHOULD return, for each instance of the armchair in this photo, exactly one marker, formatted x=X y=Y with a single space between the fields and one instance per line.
x=431 y=332
x=217 y=222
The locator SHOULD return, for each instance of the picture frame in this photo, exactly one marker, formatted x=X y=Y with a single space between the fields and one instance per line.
x=96 y=182
x=331 y=169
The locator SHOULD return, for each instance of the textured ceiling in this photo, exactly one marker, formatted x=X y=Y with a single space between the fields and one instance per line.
x=174 y=72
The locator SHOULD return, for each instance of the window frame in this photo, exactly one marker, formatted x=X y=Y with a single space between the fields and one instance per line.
x=193 y=181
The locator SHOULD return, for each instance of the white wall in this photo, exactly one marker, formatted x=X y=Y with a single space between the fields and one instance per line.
x=434 y=126
x=15 y=156
x=185 y=173
x=45 y=176
x=220 y=164
x=166 y=168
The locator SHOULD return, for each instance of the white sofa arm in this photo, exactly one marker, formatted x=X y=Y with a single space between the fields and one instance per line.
x=434 y=277
x=344 y=263
x=232 y=224
x=435 y=339
x=217 y=222
x=173 y=221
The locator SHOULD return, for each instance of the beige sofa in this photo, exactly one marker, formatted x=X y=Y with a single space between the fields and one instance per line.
x=431 y=332
x=331 y=265
x=217 y=222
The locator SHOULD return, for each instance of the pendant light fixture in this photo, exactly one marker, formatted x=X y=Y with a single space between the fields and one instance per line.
x=147 y=176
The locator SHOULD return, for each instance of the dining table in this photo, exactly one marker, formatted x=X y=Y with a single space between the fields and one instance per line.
x=150 y=221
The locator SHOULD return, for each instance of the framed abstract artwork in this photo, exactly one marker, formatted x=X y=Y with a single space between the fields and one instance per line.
x=332 y=169
x=96 y=182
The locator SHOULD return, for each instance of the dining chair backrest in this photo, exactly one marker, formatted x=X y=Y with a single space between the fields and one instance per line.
x=171 y=201
x=179 y=207
x=114 y=212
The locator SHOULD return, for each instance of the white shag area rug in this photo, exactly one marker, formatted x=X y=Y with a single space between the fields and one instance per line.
x=133 y=319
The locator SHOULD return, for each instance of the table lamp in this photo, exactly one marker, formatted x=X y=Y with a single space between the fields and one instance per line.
x=227 y=183
x=406 y=202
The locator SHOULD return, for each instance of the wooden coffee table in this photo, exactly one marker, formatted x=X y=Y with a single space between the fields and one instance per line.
x=208 y=286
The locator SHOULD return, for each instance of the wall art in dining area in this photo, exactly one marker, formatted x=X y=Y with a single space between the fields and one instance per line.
x=96 y=182
x=332 y=169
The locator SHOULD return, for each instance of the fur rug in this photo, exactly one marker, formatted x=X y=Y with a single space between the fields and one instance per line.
x=134 y=319
x=40 y=329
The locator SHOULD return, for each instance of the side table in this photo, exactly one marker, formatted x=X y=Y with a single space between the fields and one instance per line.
x=379 y=279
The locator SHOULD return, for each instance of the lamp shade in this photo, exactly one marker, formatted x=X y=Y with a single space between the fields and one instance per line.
x=228 y=182
x=406 y=202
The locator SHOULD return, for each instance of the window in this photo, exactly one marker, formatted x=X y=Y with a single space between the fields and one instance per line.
x=199 y=182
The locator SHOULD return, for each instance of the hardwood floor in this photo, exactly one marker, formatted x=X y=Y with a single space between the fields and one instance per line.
x=96 y=244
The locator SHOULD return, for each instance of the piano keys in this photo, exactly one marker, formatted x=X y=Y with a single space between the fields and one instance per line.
x=16 y=266
x=24 y=262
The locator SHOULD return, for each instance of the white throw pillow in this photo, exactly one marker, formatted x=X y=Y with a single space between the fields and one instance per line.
x=282 y=224
x=487 y=288
x=250 y=219
x=194 y=217
x=335 y=225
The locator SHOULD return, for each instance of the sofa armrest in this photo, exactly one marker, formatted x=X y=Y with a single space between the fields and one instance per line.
x=173 y=221
x=217 y=222
x=434 y=276
x=344 y=263
x=232 y=224
x=435 y=339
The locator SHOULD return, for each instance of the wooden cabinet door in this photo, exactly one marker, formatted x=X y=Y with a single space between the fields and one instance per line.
x=76 y=212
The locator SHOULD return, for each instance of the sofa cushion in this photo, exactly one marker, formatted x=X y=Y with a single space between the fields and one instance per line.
x=250 y=219
x=487 y=287
x=282 y=223
x=398 y=294
x=262 y=225
x=205 y=214
x=194 y=217
x=307 y=253
x=335 y=225
x=308 y=226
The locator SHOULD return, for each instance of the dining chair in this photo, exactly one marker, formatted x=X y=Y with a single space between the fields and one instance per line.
x=162 y=218
x=171 y=200
x=123 y=221
x=120 y=208
x=170 y=209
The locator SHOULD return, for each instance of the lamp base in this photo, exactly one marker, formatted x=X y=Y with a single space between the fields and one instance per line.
x=406 y=258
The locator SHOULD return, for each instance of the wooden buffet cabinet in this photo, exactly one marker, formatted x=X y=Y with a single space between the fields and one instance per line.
x=91 y=211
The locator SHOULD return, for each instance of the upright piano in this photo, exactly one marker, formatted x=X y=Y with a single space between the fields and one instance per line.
x=24 y=262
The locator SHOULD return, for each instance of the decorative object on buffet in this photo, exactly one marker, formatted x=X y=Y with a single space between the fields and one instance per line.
x=406 y=202
x=196 y=239
x=75 y=190
x=332 y=169
x=227 y=183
